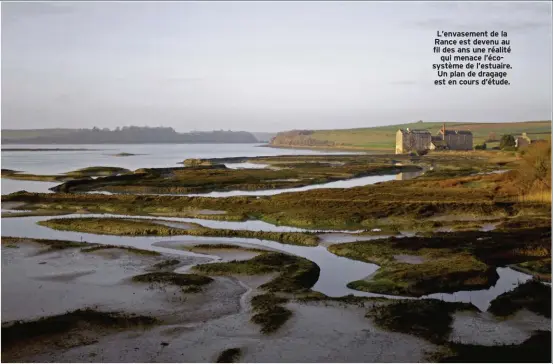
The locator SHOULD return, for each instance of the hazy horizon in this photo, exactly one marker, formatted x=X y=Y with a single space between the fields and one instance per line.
x=259 y=66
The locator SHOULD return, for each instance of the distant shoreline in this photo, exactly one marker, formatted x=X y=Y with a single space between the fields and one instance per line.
x=46 y=149
x=327 y=148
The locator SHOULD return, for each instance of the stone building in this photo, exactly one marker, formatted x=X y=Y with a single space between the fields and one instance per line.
x=452 y=139
x=412 y=140
x=523 y=141
x=418 y=140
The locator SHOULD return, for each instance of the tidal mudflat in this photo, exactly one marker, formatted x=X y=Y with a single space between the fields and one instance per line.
x=355 y=273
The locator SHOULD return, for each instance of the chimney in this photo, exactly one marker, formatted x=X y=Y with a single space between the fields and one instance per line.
x=443 y=131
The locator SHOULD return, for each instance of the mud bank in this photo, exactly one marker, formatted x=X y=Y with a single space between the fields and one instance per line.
x=329 y=283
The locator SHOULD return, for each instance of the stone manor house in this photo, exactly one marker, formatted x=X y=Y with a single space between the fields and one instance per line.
x=413 y=140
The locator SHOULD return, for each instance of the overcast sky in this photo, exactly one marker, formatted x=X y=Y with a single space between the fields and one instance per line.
x=260 y=66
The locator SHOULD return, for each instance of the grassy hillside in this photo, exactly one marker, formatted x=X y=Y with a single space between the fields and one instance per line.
x=383 y=137
x=23 y=134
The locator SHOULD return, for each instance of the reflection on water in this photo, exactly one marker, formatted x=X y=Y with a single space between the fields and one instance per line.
x=146 y=155
x=354 y=182
x=335 y=273
x=246 y=165
x=508 y=280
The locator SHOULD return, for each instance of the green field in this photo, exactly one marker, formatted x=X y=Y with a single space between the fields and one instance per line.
x=23 y=134
x=383 y=137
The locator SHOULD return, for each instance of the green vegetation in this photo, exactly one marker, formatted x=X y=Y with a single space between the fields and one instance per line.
x=229 y=355
x=38 y=212
x=533 y=176
x=111 y=226
x=188 y=282
x=205 y=176
x=272 y=319
x=80 y=173
x=24 y=134
x=46 y=149
x=540 y=269
x=482 y=146
x=167 y=263
x=537 y=349
x=314 y=296
x=430 y=319
x=353 y=208
x=97 y=171
x=117 y=226
x=383 y=137
x=453 y=261
x=397 y=205
x=507 y=142
x=123 y=135
x=11 y=174
x=51 y=244
x=20 y=331
x=96 y=248
x=265 y=301
x=438 y=275
x=296 y=274
x=531 y=295
x=269 y=313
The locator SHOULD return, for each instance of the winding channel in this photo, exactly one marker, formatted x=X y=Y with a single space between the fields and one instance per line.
x=335 y=272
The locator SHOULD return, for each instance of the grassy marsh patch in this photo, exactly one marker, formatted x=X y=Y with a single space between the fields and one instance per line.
x=118 y=226
x=272 y=319
x=430 y=319
x=97 y=171
x=110 y=226
x=296 y=274
x=24 y=331
x=168 y=263
x=177 y=279
x=540 y=268
x=50 y=243
x=408 y=201
x=531 y=295
x=197 y=178
x=447 y=274
x=229 y=355
x=453 y=261
x=129 y=249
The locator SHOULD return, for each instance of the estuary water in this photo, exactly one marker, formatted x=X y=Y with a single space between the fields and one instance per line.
x=145 y=155
x=336 y=272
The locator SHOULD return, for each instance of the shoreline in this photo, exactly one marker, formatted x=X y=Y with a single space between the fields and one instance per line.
x=327 y=148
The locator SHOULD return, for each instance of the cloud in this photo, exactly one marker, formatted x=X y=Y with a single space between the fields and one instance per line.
x=179 y=80
x=450 y=24
x=404 y=82
x=12 y=12
x=471 y=16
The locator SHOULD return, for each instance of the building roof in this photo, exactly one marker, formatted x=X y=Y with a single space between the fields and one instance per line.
x=453 y=132
x=415 y=131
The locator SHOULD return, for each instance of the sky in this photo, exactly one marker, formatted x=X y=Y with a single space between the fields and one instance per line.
x=260 y=66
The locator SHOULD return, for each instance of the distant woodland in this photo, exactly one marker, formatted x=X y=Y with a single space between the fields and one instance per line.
x=124 y=135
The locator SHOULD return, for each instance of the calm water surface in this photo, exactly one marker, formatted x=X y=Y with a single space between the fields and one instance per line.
x=335 y=273
x=147 y=155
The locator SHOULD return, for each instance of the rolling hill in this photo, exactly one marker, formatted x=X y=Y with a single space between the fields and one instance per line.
x=383 y=137
x=124 y=135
